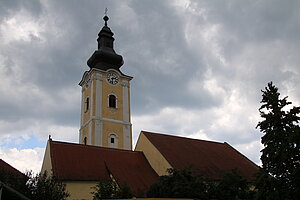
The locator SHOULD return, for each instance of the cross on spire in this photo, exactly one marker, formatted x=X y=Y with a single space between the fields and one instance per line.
x=105 y=18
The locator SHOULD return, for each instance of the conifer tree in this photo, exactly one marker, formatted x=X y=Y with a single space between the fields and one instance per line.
x=281 y=154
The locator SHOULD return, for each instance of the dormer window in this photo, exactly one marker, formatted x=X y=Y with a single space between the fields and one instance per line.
x=112 y=101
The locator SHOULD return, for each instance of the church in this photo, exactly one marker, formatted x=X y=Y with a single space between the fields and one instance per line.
x=105 y=147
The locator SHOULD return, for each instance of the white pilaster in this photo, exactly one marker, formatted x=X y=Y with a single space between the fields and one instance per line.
x=82 y=107
x=125 y=101
x=81 y=115
x=98 y=95
x=90 y=133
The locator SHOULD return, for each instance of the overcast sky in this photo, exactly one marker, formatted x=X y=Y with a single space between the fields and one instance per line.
x=198 y=67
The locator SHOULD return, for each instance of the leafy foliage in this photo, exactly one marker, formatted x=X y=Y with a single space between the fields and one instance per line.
x=16 y=181
x=44 y=186
x=281 y=140
x=178 y=184
x=266 y=187
x=124 y=192
x=39 y=186
x=233 y=186
x=108 y=189
x=184 y=184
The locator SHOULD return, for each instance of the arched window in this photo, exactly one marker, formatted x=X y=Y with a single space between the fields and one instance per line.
x=113 y=140
x=112 y=101
x=84 y=140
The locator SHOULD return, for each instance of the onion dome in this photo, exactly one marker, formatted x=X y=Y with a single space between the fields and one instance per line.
x=105 y=57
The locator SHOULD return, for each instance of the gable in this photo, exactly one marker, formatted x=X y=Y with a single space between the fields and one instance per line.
x=153 y=155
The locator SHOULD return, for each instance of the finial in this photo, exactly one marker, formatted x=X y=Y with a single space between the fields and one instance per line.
x=50 y=137
x=105 y=18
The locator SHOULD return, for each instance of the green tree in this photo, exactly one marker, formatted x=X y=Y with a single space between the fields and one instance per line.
x=281 y=153
x=124 y=192
x=44 y=186
x=265 y=186
x=184 y=184
x=233 y=186
x=180 y=184
x=108 y=189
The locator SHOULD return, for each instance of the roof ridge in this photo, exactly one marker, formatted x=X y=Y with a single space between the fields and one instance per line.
x=182 y=137
x=92 y=146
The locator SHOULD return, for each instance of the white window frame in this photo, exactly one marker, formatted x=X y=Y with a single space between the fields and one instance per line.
x=116 y=100
x=115 y=144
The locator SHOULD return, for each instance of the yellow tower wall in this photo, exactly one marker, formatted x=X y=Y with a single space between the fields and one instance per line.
x=100 y=120
x=86 y=113
x=110 y=127
x=86 y=116
x=112 y=113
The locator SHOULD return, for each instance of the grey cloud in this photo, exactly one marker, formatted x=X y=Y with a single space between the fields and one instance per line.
x=11 y=7
x=259 y=41
x=159 y=83
x=261 y=35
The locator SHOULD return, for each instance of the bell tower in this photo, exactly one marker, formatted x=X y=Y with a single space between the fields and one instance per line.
x=105 y=101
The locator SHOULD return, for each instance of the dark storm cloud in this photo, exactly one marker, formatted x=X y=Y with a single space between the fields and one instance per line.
x=45 y=67
x=56 y=59
x=270 y=29
x=262 y=20
x=164 y=64
x=198 y=67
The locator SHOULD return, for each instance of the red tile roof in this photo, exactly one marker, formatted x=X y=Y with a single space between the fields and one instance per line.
x=11 y=170
x=90 y=163
x=208 y=158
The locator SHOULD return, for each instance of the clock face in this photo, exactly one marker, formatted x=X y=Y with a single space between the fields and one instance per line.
x=112 y=78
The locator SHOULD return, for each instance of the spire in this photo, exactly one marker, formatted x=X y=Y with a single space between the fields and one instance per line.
x=105 y=57
x=105 y=18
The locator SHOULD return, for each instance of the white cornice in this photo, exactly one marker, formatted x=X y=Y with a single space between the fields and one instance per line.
x=125 y=83
x=105 y=120
x=109 y=70
x=85 y=74
x=88 y=73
